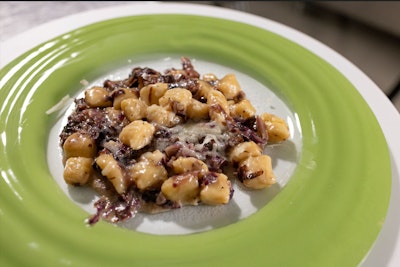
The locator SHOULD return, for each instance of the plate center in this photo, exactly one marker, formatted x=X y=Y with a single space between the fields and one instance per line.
x=192 y=219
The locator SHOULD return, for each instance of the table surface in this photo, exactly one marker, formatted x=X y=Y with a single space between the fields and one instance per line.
x=19 y=16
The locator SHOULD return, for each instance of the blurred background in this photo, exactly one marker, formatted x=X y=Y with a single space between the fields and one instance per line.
x=367 y=33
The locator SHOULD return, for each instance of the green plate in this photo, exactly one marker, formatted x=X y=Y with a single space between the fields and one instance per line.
x=328 y=214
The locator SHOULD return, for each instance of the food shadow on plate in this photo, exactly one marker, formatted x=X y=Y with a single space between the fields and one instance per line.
x=283 y=151
x=81 y=194
x=200 y=218
x=187 y=219
x=261 y=198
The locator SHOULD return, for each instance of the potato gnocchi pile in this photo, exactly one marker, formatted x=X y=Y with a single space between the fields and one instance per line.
x=158 y=141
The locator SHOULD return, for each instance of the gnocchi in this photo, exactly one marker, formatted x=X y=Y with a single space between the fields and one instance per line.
x=137 y=134
x=111 y=169
x=134 y=109
x=155 y=142
x=149 y=172
x=256 y=172
x=79 y=145
x=122 y=94
x=182 y=188
x=78 y=170
x=229 y=86
x=151 y=93
x=277 y=128
x=217 y=192
x=97 y=97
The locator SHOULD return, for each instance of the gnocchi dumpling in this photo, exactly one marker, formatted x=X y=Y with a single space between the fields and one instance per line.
x=98 y=97
x=243 y=109
x=216 y=192
x=229 y=86
x=78 y=170
x=122 y=94
x=203 y=88
x=197 y=110
x=277 y=128
x=244 y=150
x=151 y=93
x=182 y=188
x=189 y=164
x=159 y=115
x=113 y=171
x=176 y=100
x=79 y=145
x=149 y=172
x=218 y=106
x=134 y=109
x=137 y=134
x=256 y=172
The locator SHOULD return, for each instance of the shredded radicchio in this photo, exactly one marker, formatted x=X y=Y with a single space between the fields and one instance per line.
x=121 y=209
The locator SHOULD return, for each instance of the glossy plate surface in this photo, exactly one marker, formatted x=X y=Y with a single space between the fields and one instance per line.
x=328 y=214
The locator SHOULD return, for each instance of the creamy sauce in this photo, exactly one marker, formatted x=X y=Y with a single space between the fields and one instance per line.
x=203 y=138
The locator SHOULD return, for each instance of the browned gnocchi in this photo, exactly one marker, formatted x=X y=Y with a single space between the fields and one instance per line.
x=159 y=141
